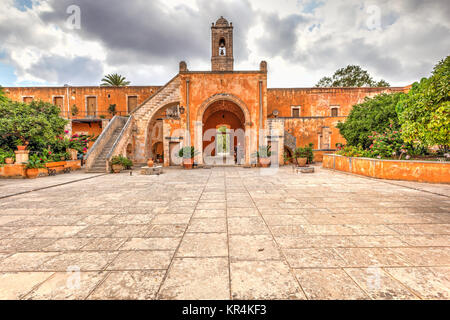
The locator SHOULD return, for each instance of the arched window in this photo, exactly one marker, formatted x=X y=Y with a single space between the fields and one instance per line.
x=222 y=47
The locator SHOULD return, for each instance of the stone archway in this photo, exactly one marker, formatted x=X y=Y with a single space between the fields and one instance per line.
x=224 y=110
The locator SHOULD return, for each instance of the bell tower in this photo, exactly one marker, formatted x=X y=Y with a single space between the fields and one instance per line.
x=222 y=45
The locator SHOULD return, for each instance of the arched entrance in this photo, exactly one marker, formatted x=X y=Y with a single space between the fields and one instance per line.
x=164 y=124
x=223 y=121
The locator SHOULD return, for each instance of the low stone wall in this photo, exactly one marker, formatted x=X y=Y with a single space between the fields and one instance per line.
x=18 y=171
x=420 y=171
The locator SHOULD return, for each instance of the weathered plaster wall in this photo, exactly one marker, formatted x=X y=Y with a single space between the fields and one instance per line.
x=78 y=95
x=421 y=171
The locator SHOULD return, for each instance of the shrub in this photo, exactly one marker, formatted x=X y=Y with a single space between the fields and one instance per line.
x=351 y=151
x=374 y=114
x=121 y=160
x=35 y=162
x=305 y=152
x=387 y=144
x=36 y=124
x=424 y=112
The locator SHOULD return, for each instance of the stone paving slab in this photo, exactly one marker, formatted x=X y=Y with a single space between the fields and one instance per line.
x=224 y=233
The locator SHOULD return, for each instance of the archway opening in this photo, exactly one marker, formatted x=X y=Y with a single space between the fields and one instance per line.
x=223 y=134
x=162 y=128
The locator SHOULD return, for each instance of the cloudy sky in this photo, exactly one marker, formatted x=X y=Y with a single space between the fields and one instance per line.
x=302 y=40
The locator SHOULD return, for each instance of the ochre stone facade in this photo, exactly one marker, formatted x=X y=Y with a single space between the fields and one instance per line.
x=206 y=108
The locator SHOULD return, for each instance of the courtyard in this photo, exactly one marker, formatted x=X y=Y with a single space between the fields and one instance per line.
x=223 y=233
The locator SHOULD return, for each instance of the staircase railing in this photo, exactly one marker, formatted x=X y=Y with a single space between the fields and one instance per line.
x=102 y=140
x=119 y=145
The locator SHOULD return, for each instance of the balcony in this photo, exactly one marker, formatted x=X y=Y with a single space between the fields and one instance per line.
x=92 y=116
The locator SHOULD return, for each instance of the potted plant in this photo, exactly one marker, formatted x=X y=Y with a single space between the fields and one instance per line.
x=304 y=155
x=263 y=154
x=119 y=162
x=187 y=153
x=33 y=166
x=112 y=109
x=21 y=144
x=6 y=157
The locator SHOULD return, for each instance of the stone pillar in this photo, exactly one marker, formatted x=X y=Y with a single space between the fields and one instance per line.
x=68 y=128
x=22 y=156
x=198 y=141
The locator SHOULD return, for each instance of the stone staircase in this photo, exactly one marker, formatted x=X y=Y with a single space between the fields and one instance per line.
x=97 y=156
x=100 y=162
x=167 y=94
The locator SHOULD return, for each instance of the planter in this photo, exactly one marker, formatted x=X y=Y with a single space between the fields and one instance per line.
x=117 y=168
x=32 y=173
x=188 y=163
x=21 y=148
x=264 y=162
x=302 y=162
x=150 y=163
x=73 y=154
x=9 y=160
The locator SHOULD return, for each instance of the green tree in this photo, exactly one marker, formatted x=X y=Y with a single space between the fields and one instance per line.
x=373 y=115
x=351 y=76
x=37 y=124
x=424 y=112
x=114 y=80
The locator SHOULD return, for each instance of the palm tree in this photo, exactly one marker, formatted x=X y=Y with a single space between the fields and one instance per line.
x=114 y=80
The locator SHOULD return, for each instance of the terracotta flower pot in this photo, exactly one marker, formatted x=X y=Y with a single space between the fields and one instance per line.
x=150 y=163
x=21 y=148
x=32 y=173
x=188 y=163
x=117 y=168
x=302 y=162
x=264 y=162
x=9 y=160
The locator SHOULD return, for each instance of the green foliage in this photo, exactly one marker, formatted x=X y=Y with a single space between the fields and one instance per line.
x=388 y=144
x=114 y=80
x=35 y=162
x=351 y=76
x=187 y=152
x=305 y=152
x=424 y=113
x=112 y=109
x=352 y=151
x=6 y=154
x=74 y=110
x=263 y=152
x=36 y=124
x=373 y=115
x=121 y=160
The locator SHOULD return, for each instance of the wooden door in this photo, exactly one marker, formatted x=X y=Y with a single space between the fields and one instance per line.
x=132 y=103
x=58 y=101
x=91 y=106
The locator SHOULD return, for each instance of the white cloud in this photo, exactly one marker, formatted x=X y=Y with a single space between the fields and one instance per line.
x=302 y=40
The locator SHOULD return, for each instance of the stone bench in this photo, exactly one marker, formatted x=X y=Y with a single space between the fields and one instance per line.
x=149 y=171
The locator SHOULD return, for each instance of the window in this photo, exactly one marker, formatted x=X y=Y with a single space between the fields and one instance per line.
x=334 y=111
x=295 y=111
x=132 y=103
x=27 y=99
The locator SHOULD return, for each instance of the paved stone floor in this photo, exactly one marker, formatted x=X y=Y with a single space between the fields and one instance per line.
x=224 y=233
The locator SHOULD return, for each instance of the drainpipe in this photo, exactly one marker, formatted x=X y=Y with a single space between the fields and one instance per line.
x=188 y=115
x=260 y=111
